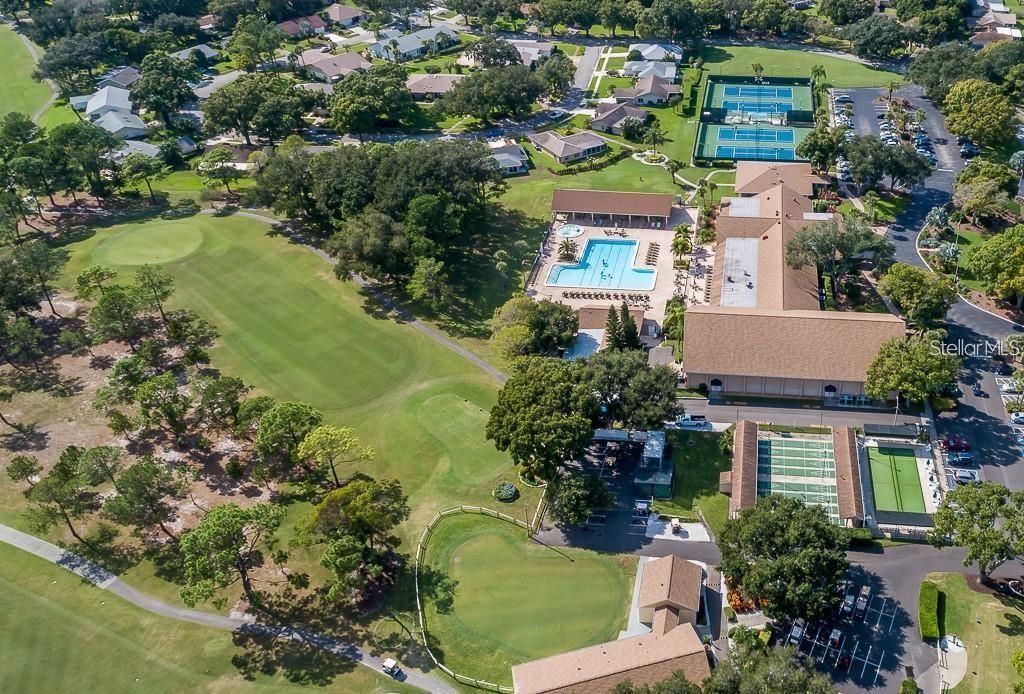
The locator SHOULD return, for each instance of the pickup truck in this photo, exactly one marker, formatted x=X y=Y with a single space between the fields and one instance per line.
x=689 y=421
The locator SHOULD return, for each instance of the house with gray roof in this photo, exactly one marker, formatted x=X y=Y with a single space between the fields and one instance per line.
x=124 y=125
x=331 y=68
x=657 y=51
x=510 y=156
x=426 y=87
x=658 y=68
x=611 y=117
x=648 y=91
x=345 y=15
x=107 y=100
x=408 y=46
x=569 y=148
x=121 y=77
x=202 y=49
x=133 y=147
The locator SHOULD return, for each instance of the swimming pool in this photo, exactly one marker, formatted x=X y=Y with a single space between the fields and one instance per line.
x=605 y=264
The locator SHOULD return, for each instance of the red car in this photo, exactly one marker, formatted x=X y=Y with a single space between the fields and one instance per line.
x=954 y=443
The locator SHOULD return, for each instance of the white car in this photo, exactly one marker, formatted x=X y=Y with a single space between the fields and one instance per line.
x=1008 y=387
x=1017 y=418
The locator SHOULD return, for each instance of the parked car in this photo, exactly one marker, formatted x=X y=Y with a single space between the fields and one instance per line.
x=860 y=610
x=690 y=421
x=978 y=391
x=835 y=638
x=846 y=609
x=966 y=477
x=1017 y=418
x=796 y=634
x=954 y=443
x=844 y=99
x=1008 y=387
x=960 y=460
x=390 y=667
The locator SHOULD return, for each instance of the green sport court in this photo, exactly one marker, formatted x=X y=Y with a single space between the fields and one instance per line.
x=894 y=479
x=759 y=98
x=801 y=468
x=749 y=141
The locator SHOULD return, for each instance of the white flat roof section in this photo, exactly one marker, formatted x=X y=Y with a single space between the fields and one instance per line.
x=739 y=279
x=744 y=207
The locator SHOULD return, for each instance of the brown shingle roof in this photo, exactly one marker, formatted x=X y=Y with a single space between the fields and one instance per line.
x=823 y=345
x=294 y=27
x=596 y=317
x=596 y=670
x=607 y=202
x=665 y=620
x=744 y=466
x=753 y=177
x=340 y=13
x=432 y=84
x=844 y=446
x=671 y=581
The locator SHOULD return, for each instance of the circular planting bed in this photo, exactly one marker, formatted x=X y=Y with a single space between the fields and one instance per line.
x=651 y=158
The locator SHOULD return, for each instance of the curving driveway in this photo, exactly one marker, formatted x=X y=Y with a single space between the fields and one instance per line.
x=982 y=420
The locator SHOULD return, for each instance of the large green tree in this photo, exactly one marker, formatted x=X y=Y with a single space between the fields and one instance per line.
x=254 y=41
x=223 y=549
x=923 y=296
x=282 y=429
x=999 y=263
x=845 y=11
x=327 y=447
x=366 y=100
x=543 y=415
x=986 y=519
x=878 y=36
x=573 y=497
x=979 y=110
x=913 y=367
x=787 y=554
x=767 y=670
x=164 y=85
x=835 y=250
x=144 y=492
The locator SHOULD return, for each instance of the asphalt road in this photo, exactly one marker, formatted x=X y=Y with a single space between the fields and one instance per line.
x=981 y=420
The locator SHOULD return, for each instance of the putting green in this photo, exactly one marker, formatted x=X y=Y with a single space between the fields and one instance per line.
x=293 y=331
x=514 y=600
x=153 y=243
x=894 y=480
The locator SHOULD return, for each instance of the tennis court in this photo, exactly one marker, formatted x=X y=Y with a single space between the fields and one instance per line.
x=758 y=142
x=759 y=98
x=895 y=480
x=801 y=468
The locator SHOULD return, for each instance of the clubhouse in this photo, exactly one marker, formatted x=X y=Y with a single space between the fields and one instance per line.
x=669 y=599
x=607 y=208
x=763 y=331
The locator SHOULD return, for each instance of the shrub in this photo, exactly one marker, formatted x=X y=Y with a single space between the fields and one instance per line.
x=730 y=613
x=234 y=468
x=209 y=195
x=505 y=491
x=908 y=686
x=184 y=208
x=928 y=611
x=432 y=69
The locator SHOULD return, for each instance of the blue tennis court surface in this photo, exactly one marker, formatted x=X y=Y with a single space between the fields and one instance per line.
x=758 y=106
x=755 y=135
x=760 y=92
x=776 y=153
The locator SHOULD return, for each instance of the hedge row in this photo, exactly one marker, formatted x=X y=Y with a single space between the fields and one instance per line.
x=928 y=611
x=594 y=165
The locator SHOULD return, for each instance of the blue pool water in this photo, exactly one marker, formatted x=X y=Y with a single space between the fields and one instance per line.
x=605 y=264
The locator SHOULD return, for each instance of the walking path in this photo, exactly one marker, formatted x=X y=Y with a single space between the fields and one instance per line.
x=33 y=51
x=403 y=314
x=103 y=579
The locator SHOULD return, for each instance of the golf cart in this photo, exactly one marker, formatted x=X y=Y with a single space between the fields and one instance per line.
x=390 y=667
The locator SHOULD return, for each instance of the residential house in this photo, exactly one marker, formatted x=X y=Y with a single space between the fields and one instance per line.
x=992 y=20
x=426 y=87
x=208 y=22
x=763 y=331
x=611 y=117
x=671 y=646
x=532 y=51
x=658 y=68
x=302 y=27
x=120 y=77
x=344 y=15
x=133 y=147
x=649 y=91
x=123 y=124
x=331 y=68
x=657 y=51
x=107 y=100
x=569 y=148
x=510 y=156
x=399 y=47
x=208 y=54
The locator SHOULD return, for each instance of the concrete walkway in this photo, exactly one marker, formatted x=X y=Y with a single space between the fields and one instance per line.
x=103 y=579
x=634 y=627
x=402 y=314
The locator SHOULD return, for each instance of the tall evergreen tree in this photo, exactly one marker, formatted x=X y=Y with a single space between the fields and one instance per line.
x=613 y=330
x=628 y=330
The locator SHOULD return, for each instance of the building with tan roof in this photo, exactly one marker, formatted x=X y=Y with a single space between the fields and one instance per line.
x=755 y=177
x=763 y=332
x=569 y=148
x=427 y=87
x=611 y=206
x=670 y=588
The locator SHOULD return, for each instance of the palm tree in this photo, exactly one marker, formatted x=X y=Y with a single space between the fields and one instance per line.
x=758 y=69
x=871 y=199
x=654 y=137
x=892 y=87
x=681 y=246
x=818 y=73
x=702 y=191
x=675 y=316
x=394 y=49
x=567 y=249
x=673 y=166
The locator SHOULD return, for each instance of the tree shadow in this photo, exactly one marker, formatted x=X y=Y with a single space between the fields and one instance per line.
x=28 y=437
x=437 y=587
x=167 y=562
x=297 y=660
x=103 y=546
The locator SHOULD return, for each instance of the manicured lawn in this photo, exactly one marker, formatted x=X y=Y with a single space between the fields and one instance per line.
x=736 y=60
x=698 y=461
x=607 y=84
x=516 y=600
x=57 y=114
x=990 y=627
x=290 y=329
x=887 y=208
x=18 y=91
x=969 y=242
x=61 y=634
x=615 y=63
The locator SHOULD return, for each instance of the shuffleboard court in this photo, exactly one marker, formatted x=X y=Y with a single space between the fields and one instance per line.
x=894 y=479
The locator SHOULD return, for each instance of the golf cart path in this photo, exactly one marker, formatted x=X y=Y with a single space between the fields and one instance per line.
x=101 y=578
x=404 y=315
x=34 y=52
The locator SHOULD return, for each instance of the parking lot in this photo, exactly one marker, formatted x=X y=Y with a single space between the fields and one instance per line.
x=857 y=645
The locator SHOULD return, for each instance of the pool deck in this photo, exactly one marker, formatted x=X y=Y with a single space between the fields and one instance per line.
x=653 y=301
